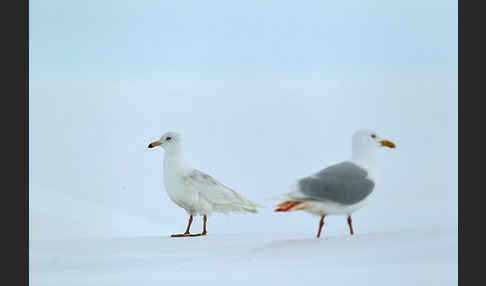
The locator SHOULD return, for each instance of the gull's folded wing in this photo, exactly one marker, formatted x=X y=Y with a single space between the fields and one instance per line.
x=345 y=183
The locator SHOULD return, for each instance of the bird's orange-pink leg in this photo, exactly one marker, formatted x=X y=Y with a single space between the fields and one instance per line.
x=350 y=223
x=187 y=230
x=321 y=223
x=205 y=219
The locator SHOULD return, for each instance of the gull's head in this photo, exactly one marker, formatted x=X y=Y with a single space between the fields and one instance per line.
x=169 y=140
x=365 y=140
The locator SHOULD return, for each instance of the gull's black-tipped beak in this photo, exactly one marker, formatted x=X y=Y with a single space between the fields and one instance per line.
x=154 y=144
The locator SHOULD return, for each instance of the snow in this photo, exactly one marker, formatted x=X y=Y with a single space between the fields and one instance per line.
x=76 y=242
x=408 y=257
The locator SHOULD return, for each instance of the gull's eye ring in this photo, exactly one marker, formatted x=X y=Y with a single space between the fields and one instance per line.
x=373 y=136
x=168 y=138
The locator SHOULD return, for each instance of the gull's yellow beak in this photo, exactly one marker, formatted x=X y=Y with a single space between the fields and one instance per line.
x=387 y=143
x=154 y=144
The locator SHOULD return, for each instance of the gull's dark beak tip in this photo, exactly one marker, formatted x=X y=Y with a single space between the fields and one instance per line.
x=150 y=145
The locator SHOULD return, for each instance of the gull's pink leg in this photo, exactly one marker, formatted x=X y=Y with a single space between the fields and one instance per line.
x=321 y=223
x=188 y=225
x=187 y=230
x=350 y=223
x=205 y=219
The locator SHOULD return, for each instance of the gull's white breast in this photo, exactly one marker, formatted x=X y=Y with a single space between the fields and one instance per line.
x=319 y=208
x=182 y=194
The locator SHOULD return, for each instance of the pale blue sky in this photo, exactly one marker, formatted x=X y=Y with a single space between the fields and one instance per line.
x=140 y=37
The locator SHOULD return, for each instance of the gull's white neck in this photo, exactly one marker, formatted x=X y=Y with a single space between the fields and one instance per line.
x=174 y=160
x=365 y=156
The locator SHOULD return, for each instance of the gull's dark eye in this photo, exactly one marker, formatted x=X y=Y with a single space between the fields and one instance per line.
x=373 y=136
x=168 y=138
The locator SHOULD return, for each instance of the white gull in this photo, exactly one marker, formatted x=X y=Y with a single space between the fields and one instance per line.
x=193 y=190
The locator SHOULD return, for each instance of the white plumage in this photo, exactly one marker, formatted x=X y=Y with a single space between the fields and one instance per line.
x=193 y=190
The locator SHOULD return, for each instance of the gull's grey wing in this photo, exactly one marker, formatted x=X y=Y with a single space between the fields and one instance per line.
x=344 y=183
